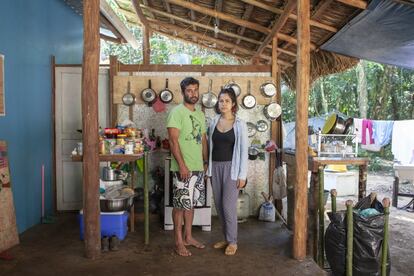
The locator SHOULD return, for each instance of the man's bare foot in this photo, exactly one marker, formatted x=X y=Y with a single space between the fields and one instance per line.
x=195 y=243
x=182 y=251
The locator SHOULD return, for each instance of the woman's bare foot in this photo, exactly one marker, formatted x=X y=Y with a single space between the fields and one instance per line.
x=195 y=243
x=220 y=245
x=182 y=251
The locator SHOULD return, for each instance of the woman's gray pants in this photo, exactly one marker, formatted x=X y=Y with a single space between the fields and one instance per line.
x=225 y=194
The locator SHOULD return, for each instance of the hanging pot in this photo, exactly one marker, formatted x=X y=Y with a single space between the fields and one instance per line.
x=268 y=89
x=253 y=153
x=251 y=129
x=128 y=98
x=236 y=88
x=262 y=126
x=166 y=95
x=249 y=101
x=148 y=95
x=272 y=111
x=209 y=100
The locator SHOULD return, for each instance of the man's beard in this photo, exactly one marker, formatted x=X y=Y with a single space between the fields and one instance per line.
x=190 y=100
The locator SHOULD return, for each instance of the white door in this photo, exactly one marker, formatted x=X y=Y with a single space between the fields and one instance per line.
x=68 y=120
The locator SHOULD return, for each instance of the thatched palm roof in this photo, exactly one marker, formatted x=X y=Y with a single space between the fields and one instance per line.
x=245 y=28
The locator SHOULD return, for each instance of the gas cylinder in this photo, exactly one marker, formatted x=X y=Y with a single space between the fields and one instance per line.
x=243 y=206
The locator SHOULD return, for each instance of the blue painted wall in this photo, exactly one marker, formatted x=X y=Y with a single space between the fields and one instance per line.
x=30 y=33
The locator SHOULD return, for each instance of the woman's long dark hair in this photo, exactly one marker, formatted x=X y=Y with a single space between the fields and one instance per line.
x=229 y=91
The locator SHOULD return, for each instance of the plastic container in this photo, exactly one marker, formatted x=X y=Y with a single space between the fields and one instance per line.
x=114 y=223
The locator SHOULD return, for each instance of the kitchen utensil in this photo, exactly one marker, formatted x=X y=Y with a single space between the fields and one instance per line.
x=249 y=101
x=116 y=204
x=236 y=88
x=272 y=111
x=128 y=98
x=336 y=124
x=166 y=95
x=109 y=174
x=253 y=153
x=268 y=89
x=148 y=95
x=243 y=206
x=209 y=99
x=262 y=126
x=251 y=129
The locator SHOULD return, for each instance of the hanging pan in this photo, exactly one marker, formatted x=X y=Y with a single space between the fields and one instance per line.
x=148 y=95
x=233 y=85
x=268 y=89
x=249 y=101
x=128 y=98
x=251 y=129
x=272 y=111
x=166 y=95
x=208 y=99
x=262 y=125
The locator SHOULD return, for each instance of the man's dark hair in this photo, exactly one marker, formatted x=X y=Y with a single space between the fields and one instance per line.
x=229 y=91
x=188 y=81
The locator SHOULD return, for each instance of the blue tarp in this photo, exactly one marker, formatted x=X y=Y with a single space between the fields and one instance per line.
x=384 y=33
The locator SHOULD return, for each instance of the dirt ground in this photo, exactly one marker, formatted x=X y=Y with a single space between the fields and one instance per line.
x=401 y=223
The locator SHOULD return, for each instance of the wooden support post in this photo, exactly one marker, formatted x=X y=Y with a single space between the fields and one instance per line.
x=132 y=210
x=90 y=73
x=321 y=236
x=146 y=199
x=301 y=156
x=396 y=190
x=113 y=71
x=146 y=49
x=312 y=244
x=273 y=130
x=386 y=204
x=333 y=200
x=362 y=185
x=349 y=237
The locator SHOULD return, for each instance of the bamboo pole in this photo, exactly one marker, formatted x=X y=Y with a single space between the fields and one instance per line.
x=333 y=200
x=90 y=165
x=349 y=236
x=301 y=155
x=386 y=204
x=146 y=199
x=321 y=254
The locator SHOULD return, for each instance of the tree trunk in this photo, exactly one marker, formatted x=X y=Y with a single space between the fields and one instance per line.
x=324 y=103
x=362 y=90
x=381 y=109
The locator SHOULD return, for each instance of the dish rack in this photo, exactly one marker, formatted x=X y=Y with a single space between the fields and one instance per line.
x=339 y=145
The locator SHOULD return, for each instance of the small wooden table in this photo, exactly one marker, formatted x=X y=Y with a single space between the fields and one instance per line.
x=130 y=158
x=316 y=208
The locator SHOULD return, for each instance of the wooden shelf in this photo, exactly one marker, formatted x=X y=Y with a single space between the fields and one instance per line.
x=113 y=157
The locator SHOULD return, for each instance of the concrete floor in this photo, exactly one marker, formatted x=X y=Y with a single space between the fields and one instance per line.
x=55 y=249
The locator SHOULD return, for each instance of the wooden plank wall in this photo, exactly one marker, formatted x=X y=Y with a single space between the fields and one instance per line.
x=138 y=83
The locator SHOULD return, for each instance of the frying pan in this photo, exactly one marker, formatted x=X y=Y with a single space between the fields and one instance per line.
x=251 y=129
x=262 y=125
x=248 y=101
x=128 y=98
x=148 y=95
x=166 y=96
x=272 y=111
x=208 y=99
x=236 y=88
x=268 y=89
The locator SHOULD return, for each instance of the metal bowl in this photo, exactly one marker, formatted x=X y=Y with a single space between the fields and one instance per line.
x=117 y=204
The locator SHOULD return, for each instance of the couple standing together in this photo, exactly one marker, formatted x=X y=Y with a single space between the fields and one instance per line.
x=223 y=157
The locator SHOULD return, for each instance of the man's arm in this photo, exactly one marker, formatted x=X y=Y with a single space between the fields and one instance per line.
x=173 y=134
x=205 y=151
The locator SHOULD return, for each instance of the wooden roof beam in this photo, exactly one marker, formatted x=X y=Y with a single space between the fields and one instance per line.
x=140 y=14
x=222 y=43
x=193 y=18
x=355 y=3
x=291 y=16
x=114 y=20
x=168 y=8
x=289 y=7
x=246 y=15
x=321 y=8
x=219 y=8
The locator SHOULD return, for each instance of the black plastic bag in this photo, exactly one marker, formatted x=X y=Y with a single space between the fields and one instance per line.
x=367 y=242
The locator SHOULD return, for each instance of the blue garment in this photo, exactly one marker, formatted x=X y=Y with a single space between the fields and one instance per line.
x=240 y=150
x=382 y=132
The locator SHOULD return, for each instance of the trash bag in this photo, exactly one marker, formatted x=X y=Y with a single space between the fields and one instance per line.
x=367 y=244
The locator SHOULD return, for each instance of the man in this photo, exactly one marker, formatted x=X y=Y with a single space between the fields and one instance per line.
x=187 y=134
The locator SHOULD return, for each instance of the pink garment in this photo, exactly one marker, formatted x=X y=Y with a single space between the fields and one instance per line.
x=367 y=124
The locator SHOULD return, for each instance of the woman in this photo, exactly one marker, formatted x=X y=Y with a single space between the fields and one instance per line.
x=228 y=146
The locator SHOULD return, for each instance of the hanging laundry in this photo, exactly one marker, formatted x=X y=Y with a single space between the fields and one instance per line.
x=402 y=146
x=382 y=132
x=358 y=129
x=367 y=126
